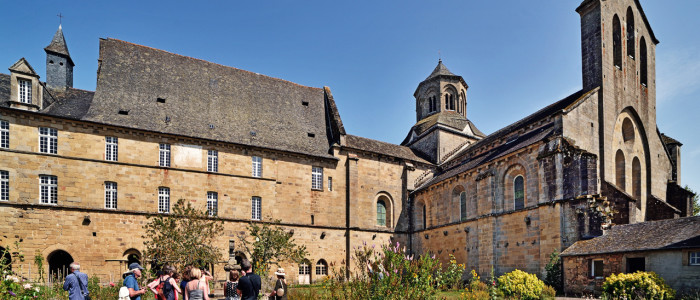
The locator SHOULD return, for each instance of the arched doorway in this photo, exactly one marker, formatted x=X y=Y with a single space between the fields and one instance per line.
x=59 y=264
x=305 y=272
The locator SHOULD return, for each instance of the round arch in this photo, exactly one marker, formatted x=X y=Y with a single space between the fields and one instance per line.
x=513 y=199
x=59 y=264
x=459 y=202
x=388 y=201
x=132 y=255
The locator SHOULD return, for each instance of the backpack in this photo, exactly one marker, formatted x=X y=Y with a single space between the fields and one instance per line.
x=160 y=295
x=124 y=293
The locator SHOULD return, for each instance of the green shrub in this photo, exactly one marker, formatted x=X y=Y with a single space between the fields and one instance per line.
x=638 y=285
x=520 y=284
x=548 y=292
x=553 y=272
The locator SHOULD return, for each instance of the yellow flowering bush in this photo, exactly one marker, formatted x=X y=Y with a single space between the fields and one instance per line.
x=521 y=285
x=638 y=285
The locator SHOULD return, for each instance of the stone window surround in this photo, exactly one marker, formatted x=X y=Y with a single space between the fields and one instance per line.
x=321 y=267
x=48 y=189
x=257 y=166
x=4 y=134
x=317 y=178
x=163 y=200
x=212 y=204
x=212 y=161
x=381 y=213
x=164 y=155
x=111 y=148
x=110 y=195
x=256 y=208
x=24 y=90
x=4 y=185
x=515 y=192
x=48 y=140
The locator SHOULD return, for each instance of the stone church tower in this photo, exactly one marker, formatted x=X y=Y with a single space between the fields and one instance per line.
x=442 y=127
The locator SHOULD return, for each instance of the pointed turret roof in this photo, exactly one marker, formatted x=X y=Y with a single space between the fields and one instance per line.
x=440 y=69
x=58 y=44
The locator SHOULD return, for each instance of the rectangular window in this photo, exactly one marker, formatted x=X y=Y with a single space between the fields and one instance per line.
x=111 y=148
x=48 y=140
x=597 y=268
x=212 y=161
x=4 y=186
x=48 y=186
x=304 y=269
x=25 y=91
x=164 y=200
x=330 y=183
x=110 y=195
x=316 y=178
x=4 y=134
x=694 y=259
x=164 y=155
x=212 y=203
x=257 y=166
x=255 y=211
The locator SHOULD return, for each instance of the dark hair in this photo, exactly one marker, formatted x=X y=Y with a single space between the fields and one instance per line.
x=233 y=275
x=186 y=273
x=245 y=265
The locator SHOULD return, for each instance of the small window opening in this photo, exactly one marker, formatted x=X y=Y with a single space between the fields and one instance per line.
x=167 y=118
x=60 y=64
x=123 y=112
x=305 y=103
x=51 y=62
x=252 y=133
x=160 y=100
x=211 y=126
x=311 y=134
x=312 y=219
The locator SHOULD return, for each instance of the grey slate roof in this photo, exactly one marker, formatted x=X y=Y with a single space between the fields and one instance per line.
x=4 y=90
x=447 y=118
x=440 y=69
x=669 y=140
x=242 y=107
x=58 y=44
x=70 y=103
x=370 y=145
x=645 y=236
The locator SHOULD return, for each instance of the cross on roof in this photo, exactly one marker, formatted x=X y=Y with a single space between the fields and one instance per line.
x=60 y=18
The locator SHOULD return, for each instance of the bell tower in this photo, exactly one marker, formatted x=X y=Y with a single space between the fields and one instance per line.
x=59 y=65
x=441 y=125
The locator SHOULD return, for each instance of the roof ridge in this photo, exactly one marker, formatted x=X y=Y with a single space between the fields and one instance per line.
x=213 y=63
x=366 y=138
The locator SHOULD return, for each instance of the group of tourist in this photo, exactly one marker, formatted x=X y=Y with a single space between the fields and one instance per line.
x=192 y=284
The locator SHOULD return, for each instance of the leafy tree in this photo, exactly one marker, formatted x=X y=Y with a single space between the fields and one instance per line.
x=184 y=236
x=267 y=244
x=553 y=271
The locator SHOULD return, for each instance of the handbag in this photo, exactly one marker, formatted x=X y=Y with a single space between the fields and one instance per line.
x=82 y=290
x=280 y=291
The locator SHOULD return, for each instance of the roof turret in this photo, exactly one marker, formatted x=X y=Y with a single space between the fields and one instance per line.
x=58 y=45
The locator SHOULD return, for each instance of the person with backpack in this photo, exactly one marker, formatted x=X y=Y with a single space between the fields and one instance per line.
x=230 y=288
x=165 y=287
x=249 y=285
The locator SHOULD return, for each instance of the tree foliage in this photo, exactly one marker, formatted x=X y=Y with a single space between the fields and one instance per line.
x=553 y=272
x=184 y=236
x=267 y=244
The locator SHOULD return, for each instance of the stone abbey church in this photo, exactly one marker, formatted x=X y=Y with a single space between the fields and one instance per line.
x=81 y=170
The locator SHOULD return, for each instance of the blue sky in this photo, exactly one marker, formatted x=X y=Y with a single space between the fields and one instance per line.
x=517 y=56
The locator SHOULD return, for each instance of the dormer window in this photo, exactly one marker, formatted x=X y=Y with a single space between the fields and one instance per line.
x=25 y=91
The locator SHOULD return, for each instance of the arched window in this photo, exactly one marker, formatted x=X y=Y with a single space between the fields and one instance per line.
x=519 y=192
x=321 y=268
x=381 y=213
x=643 y=61
x=447 y=102
x=132 y=256
x=636 y=179
x=305 y=272
x=463 y=205
x=425 y=218
x=620 y=170
x=630 y=32
x=452 y=102
x=431 y=108
x=617 y=42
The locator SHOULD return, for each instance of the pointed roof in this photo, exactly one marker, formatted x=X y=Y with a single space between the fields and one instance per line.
x=440 y=69
x=23 y=66
x=58 y=44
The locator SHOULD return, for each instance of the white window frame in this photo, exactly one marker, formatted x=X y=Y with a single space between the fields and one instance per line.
x=255 y=208
x=164 y=155
x=317 y=178
x=48 y=189
x=111 y=148
x=330 y=184
x=212 y=204
x=694 y=258
x=212 y=161
x=593 y=269
x=24 y=88
x=110 y=195
x=48 y=140
x=257 y=166
x=163 y=200
x=304 y=268
x=4 y=134
x=4 y=185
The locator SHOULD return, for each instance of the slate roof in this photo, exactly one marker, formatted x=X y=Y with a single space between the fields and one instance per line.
x=58 y=44
x=440 y=69
x=370 y=145
x=447 y=118
x=242 y=107
x=669 y=140
x=70 y=103
x=645 y=236
x=4 y=90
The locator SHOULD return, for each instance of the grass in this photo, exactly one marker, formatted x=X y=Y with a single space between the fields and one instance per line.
x=302 y=292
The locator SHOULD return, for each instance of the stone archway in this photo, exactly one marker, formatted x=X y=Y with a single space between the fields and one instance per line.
x=59 y=264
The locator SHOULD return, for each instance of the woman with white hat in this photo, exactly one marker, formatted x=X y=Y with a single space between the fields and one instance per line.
x=280 y=292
